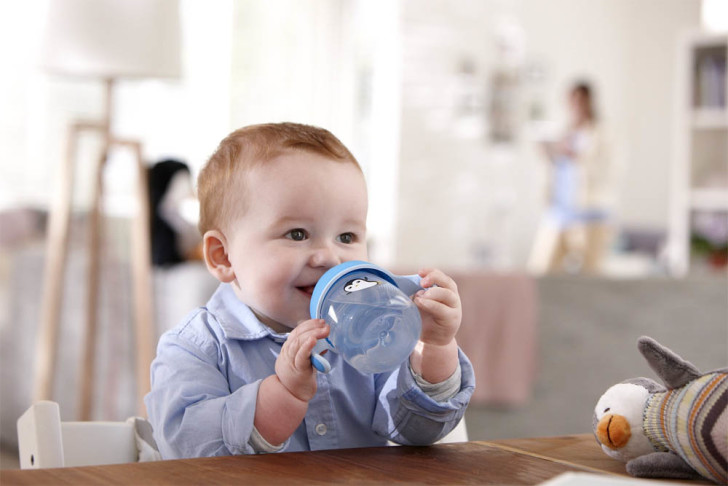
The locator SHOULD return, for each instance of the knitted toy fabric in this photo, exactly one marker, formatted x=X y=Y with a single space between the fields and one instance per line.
x=678 y=431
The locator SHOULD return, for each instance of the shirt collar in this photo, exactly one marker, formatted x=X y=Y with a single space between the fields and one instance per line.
x=236 y=319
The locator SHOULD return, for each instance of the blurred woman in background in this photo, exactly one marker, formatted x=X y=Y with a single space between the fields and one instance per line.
x=575 y=229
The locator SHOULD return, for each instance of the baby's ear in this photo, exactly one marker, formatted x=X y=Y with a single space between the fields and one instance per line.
x=216 y=257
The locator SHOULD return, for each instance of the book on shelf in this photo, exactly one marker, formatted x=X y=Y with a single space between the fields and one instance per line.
x=710 y=82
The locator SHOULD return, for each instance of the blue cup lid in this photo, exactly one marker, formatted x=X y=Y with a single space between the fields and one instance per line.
x=339 y=271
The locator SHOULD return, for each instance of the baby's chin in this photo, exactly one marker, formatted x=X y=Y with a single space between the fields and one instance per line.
x=283 y=324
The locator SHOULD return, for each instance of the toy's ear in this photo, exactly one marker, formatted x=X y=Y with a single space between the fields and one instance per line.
x=671 y=368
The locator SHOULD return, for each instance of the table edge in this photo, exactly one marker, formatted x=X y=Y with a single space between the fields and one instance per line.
x=550 y=459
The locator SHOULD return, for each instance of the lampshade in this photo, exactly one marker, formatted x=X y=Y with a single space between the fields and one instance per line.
x=113 y=38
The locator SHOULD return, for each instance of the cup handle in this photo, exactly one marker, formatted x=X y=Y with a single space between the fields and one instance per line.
x=317 y=361
x=409 y=284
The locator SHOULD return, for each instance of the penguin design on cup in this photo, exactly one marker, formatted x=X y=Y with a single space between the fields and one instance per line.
x=358 y=284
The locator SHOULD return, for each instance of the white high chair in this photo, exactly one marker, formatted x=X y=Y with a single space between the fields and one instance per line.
x=44 y=441
x=458 y=434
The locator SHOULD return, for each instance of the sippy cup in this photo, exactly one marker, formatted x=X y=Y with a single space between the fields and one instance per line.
x=374 y=323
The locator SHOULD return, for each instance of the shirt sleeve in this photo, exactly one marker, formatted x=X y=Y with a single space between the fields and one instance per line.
x=407 y=415
x=443 y=391
x=259 y=444
x=190 y=405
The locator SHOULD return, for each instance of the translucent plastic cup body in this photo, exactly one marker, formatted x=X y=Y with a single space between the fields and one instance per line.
x=374 y=325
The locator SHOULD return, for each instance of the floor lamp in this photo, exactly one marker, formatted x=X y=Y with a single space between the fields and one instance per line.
x=107 y=40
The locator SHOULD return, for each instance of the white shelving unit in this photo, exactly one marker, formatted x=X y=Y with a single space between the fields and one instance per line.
x=699 y=181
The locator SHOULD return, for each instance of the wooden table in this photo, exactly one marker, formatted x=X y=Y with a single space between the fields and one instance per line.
x=515 y=461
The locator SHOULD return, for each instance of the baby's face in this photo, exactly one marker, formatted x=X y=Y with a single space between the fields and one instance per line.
x=304 y=214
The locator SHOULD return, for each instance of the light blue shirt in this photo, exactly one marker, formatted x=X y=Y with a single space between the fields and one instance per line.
x=205 y=382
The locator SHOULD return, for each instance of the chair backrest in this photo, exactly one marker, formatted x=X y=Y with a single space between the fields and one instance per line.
x=458 y=434
x=44 y=441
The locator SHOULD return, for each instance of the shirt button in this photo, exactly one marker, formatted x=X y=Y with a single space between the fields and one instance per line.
x=321 y=429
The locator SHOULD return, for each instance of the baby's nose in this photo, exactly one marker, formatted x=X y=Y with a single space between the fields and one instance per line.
x=325 y=255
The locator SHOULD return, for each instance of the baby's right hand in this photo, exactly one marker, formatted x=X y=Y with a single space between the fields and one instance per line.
x=293 y=366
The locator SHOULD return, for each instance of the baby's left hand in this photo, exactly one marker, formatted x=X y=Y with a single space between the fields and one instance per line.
x=439 y=306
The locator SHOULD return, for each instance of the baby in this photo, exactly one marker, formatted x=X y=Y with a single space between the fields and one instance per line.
x=279 y=205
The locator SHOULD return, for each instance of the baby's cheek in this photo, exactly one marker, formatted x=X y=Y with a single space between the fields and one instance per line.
x=301 y=316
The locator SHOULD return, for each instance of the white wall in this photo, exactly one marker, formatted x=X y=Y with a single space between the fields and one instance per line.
x=630 y=49
x=385 y=79
x=331 y=63
x=19 y=46
x=464 y=201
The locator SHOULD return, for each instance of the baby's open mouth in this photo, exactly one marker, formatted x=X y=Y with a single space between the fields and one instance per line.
x=307 y=289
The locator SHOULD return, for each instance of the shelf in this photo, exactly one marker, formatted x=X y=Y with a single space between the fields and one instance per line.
x=710 y=118
x=701 y=40
x=709 y=199
x=700 y=182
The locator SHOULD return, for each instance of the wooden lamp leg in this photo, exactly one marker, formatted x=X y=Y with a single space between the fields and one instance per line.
x=142 y=281
x=93 y=282
x=88 y=364
x=56 y=252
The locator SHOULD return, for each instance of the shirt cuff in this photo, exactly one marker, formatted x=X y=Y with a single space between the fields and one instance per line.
x=443 y=391
x=259 y=444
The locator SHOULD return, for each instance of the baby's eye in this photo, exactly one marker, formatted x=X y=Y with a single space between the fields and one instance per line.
x=346 y=238
x=297 y=234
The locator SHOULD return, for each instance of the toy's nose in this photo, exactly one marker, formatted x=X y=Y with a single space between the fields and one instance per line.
x=613 y=431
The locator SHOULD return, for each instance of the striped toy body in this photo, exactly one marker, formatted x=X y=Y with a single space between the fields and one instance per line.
x=692 y=421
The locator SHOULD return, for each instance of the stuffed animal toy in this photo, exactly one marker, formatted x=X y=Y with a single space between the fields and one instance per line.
x=678 y=431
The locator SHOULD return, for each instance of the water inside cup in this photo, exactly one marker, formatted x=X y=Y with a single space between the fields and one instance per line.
x=374 y=326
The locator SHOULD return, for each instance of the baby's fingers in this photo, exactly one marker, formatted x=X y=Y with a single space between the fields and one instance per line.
x=315 y=327
x=436 y=309
x=300 y=338
x=433 y=276
x=440 y=294
x=302 y=359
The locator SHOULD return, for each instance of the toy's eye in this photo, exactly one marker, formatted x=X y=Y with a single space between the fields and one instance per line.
x=607 y=410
